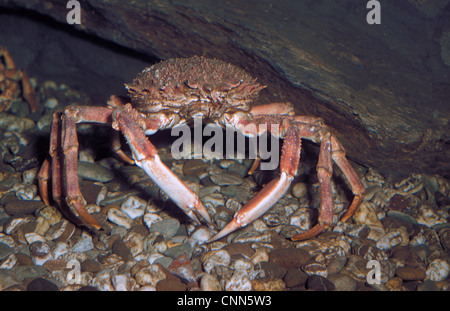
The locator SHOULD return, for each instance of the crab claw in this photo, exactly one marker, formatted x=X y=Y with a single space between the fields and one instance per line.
x=258 y=205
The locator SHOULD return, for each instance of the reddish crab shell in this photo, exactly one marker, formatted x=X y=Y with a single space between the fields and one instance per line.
x=192 y=86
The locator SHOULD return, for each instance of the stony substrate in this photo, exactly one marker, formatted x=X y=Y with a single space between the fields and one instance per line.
x=146 y=243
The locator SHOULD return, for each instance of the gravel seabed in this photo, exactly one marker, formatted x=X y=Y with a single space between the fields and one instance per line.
x=399 y=239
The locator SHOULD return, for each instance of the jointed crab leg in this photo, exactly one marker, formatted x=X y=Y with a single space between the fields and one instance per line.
x=273 y=191
x=296 y=128
x=145 y=155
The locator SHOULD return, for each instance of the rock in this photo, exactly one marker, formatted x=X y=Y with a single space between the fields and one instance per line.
x=237 y=168
x=134 y=206
x=177 y=250
x=83 y=244
x=209 y=283
x=295 y=278
x=94 y=172
x=427 y=216
x=240 y=281
x=167 y=227
x=343 y=282
x=7 y=279
x=239 y=249
x=410 y=273
x=319 y=283
x=5 y=251
x=273 y=270
x=268 y=284
x=336 y=265
x=22 y=207
x=227 y=179
x=437 y=270
x=289 y=258
x=40 y=252
x=398 y=236
x=215 y=258
x=150 y=275
x=123 y=282
x=25 y=272
x=194 y=167
x=119 y=248
x=171 y=284
x=394 y=283
x=316 y=268
x=118 y=217
x=41 y=284
x=90 y=265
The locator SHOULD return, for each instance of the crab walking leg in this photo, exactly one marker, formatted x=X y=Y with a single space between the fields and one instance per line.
x=358 y=190
x=273 y=191
x=70 y=118
x=273 y=108
x=52 y=165
x=324 y=173
x=43 y=178
x=146 y=157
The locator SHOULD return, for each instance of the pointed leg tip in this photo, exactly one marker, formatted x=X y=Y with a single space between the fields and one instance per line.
x=229 y=228
x=311 y=233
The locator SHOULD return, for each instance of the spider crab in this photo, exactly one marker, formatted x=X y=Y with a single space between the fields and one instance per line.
x=173 y=92
x=13 y=82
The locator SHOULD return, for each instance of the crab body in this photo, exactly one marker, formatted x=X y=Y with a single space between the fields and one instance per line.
x=174 y=92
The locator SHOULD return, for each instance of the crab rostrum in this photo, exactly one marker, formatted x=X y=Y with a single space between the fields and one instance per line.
x=173 y=92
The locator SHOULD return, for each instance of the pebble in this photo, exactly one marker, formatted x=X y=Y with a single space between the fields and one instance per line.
x=215 y=258
x=300 y=191
x=122 y=282
x=209 y=283
x=295 y=278
x=316 y=268
x=240 y=281
x=343 y=282
x=227 y=179
x=5 y=251
x=120 y=248
x=398 y=236
x=83 y=244
x=40 y=252
x=167 y=227
x=41 y=284
x=150 y=275
x=115 y=215
x=427 y=216
x=32 y=271
x=289 y=258
x=410 y=273
x=22 y=207
x=134 y=206
x=171 y=284
x=273 y=270
x=268 y=284
x=7 y=279
x=94 y=172
x=437 y=270
x=319 y=283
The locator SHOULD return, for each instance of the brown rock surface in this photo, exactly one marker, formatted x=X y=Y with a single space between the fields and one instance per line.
x=383 y=88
